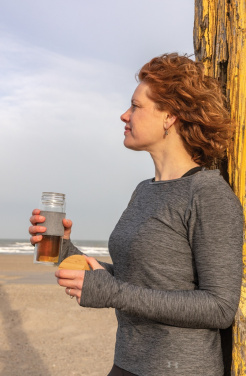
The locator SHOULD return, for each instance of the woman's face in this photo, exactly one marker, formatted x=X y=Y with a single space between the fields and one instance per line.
x=144 y=129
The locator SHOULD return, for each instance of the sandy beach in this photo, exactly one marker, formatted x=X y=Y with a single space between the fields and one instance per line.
x=43 y=331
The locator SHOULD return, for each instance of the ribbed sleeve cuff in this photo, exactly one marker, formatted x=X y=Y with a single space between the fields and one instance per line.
x=64 y=249
x=99 y=289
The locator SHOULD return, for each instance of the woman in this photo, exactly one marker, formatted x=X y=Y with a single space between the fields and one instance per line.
x=176 y=250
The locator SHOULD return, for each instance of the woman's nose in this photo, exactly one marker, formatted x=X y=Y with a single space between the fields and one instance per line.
x=125 y=117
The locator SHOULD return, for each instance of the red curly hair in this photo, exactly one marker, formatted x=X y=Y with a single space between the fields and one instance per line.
x=178 y=85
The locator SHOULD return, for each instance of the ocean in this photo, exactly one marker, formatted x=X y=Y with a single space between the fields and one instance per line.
x=24 y=247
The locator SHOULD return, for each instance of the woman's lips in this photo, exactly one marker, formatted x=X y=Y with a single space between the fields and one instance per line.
x=127 y=130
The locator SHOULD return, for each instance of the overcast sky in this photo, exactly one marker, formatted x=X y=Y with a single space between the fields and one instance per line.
x=67 y=73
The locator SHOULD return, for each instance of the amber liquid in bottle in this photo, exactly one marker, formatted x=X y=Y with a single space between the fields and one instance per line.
x=48 y=249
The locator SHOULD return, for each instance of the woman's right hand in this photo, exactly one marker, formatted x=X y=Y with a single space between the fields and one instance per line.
x=34 y=229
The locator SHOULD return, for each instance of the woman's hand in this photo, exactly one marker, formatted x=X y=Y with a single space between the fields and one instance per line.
x=34 y=229
x=73 y=279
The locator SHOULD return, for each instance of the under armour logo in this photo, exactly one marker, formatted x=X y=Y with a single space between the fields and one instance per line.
x=171 y=364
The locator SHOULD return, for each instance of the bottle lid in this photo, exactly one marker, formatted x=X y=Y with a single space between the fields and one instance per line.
x=53 y=198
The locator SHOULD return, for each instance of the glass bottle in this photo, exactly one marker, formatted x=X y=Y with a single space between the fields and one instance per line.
x=53 y=209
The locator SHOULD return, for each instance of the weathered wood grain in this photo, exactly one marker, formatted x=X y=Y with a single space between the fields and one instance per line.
x=220 y=42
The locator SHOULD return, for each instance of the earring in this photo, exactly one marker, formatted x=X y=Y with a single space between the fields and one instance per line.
x=166 y=132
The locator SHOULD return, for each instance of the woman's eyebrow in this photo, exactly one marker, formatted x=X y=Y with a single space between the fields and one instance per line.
x=134 y=100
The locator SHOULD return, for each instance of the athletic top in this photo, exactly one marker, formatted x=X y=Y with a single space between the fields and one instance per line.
x=176 y=275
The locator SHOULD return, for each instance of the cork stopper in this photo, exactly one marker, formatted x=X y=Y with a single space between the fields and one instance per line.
x=75 y=262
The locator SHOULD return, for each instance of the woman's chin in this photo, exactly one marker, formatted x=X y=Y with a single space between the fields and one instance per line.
x=127 y=143
x=132 y=146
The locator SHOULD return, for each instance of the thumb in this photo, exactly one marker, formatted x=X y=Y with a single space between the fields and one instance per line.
x=93 y=263
x=67 y=223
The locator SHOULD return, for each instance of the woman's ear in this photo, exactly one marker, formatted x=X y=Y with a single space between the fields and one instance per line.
x=169 y=120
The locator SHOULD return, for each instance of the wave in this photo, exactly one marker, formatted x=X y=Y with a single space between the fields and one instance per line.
x=94 y=251
x=25 y=248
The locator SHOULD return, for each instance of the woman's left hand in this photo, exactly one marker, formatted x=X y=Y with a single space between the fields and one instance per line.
x=73 y=279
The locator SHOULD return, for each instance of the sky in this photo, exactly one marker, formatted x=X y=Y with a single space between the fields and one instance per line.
x=67 y=73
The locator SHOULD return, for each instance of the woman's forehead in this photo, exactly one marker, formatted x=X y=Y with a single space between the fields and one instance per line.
x=140 y=91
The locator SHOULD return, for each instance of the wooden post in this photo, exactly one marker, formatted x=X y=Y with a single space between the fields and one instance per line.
x=220 y=42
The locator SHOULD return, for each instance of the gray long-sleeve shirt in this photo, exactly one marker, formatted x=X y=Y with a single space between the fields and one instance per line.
x=176 y=276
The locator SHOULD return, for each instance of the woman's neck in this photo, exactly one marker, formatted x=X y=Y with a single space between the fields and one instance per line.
x=170 y=156
x=169 y=167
